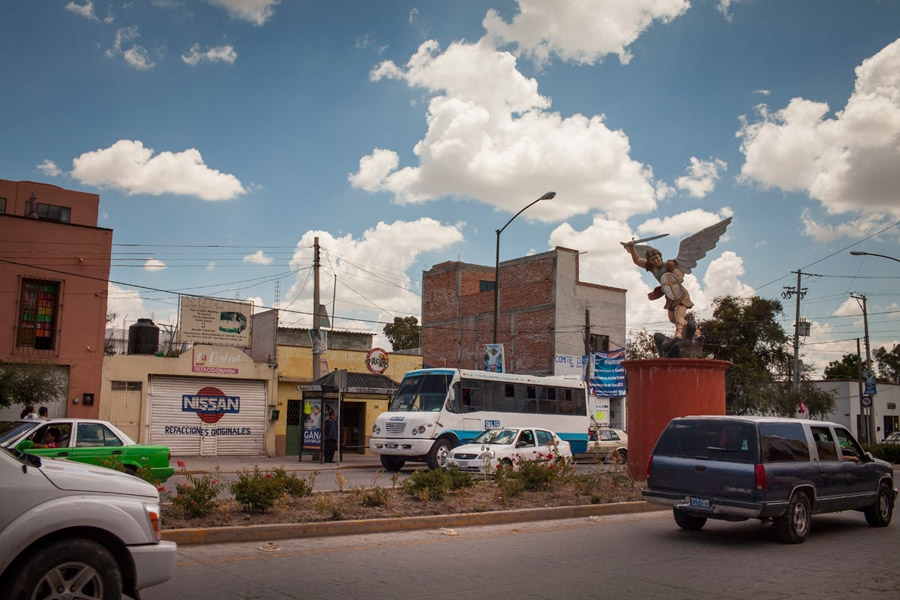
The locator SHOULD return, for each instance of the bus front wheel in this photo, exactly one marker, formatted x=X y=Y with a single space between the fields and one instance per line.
x=439 y=457
x=392 y=463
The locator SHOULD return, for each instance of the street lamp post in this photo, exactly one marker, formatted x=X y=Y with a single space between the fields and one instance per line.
x=547 y=196
x=860 y=253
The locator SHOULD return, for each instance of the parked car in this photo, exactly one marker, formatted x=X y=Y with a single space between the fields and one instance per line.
x=608 y=444
x=786 y=470
x=87 y=441
x=508 y=445
x=893 y=438
x=69 y=530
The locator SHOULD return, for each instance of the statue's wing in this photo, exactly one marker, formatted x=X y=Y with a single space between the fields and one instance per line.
x=695 y=247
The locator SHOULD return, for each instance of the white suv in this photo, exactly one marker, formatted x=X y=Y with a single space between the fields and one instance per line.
x=70 y=530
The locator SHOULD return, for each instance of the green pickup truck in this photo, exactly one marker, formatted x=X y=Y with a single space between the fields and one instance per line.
x=87 y=441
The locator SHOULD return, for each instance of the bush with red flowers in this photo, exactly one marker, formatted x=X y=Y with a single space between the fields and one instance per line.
x=196 y=495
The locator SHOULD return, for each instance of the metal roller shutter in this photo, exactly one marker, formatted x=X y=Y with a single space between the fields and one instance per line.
x=239 y=431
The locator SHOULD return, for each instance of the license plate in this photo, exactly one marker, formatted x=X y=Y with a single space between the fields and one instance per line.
x=701 y=502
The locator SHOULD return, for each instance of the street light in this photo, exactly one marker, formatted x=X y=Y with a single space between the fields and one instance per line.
x=860 y=253
x=547 y=196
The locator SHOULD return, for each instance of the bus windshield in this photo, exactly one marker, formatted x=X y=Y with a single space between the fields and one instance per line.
x=423 y=392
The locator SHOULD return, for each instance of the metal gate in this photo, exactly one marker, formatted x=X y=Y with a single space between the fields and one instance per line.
x=122 y=407
x=208 y=417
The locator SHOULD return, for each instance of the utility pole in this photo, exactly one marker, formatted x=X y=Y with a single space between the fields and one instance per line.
x=870 y=410
x=863 y=425
x=800 y=292
x=316 y=338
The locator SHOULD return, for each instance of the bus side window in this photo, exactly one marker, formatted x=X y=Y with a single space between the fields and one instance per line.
x=453 y=399
x=471 y=399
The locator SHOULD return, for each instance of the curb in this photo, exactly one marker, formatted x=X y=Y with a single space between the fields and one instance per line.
x=281 y=531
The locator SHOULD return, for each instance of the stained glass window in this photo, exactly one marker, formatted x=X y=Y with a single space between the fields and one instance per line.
x=38 y=306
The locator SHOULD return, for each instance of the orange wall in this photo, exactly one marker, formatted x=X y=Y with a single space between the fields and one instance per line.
x=77 y=255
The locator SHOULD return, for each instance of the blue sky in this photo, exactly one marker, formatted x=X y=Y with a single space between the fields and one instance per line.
x=223 y=135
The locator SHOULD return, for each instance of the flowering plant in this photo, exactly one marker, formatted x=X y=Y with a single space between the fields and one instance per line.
x=196 y=494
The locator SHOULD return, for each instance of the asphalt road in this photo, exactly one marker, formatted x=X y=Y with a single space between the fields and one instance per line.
x=641 y=556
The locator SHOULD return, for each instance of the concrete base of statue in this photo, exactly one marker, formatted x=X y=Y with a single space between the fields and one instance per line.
x=664 y=388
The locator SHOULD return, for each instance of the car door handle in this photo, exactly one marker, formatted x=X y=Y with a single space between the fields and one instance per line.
x=116 y=452
x=62 y=453
x=699 y=468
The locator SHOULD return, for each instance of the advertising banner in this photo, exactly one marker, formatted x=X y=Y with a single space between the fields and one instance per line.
x=215 y=322
x=608 y=374
x=312 y=424
x=494 y=359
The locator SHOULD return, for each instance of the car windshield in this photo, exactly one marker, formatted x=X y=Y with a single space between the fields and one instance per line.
x=421 y=393
x=496 y=436
x=10 y=430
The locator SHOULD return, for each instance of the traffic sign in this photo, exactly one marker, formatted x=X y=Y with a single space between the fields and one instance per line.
x=866 y=400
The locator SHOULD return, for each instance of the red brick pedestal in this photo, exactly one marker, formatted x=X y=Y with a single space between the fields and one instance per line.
x=660 y=390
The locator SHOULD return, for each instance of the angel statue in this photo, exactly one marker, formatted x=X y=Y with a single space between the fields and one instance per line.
x=670 y=274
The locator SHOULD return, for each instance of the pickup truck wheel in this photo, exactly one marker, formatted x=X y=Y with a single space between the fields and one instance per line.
x=439 y=457
x=793 y=526
x=880 y=513
x=71 y=568
x=392 y=463
x=688 y=522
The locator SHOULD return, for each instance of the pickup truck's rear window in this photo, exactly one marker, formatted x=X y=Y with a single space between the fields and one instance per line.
x=783 y=442
x=714 y=439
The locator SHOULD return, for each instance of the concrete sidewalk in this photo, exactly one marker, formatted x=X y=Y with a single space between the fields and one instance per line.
x=233 y=464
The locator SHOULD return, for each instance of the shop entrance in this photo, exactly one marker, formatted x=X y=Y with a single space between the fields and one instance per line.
x=353 y=427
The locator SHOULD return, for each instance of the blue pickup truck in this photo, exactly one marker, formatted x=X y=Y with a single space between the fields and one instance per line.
x=784 y=470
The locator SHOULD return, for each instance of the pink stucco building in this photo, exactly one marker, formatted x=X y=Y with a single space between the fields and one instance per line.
x=54 y=267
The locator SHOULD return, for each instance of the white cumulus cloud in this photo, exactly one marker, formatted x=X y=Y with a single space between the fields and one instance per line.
x=195 y=55
x=135 y=55
x=259 y=257
x=847 y=162
x=49 y=168
x=866 y=225
x=154 y=264
x=582 y=31
x=253 y=11
x=701 y=176
x=372 y=279
x=124 y=303
x=685 y=223
x=86 y=10
x=128 y=166
x=491 y=137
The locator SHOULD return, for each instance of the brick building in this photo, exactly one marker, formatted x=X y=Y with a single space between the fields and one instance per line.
x=542 y=313
x=54 y=266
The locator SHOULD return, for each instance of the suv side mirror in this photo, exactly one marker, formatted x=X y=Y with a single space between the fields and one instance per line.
x=25 y=445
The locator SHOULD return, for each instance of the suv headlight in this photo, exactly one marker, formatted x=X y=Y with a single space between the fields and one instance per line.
x=153 y=516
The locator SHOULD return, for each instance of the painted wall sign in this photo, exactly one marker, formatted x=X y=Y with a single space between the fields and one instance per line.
x=210 y=404
x=220 y=361
x=494 y=361
x=377 y=361
x=215 y=322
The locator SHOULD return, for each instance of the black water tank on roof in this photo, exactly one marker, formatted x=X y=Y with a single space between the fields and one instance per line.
x=143 y=337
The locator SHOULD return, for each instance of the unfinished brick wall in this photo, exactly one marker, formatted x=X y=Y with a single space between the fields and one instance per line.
x=458 y=318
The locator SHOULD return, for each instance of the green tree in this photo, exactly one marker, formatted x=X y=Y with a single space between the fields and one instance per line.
x=748 y=333
x=845 y=368
x=29 y=383
x=403 y=333
x=889 y=363
x=640 y=346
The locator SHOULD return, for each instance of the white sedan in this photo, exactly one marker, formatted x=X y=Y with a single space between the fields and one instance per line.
x=508 y=445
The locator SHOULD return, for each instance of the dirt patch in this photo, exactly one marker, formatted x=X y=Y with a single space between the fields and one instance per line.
x=355 y=503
